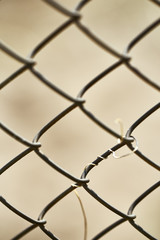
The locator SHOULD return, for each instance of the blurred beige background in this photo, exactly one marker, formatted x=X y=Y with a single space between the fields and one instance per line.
x=70 y=61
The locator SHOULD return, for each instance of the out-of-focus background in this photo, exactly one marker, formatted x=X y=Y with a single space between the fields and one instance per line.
x=70 y=61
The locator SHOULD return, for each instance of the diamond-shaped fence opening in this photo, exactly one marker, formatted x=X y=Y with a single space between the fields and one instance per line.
x=79 y=119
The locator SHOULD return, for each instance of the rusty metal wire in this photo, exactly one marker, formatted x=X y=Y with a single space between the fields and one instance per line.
x=123 y=58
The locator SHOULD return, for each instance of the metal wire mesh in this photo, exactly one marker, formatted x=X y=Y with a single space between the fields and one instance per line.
x=124 y=58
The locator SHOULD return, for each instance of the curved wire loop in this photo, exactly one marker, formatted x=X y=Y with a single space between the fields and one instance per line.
x=8 y=50
x=134 y=126
x=19 y=213
x=135 y=203
x=138 y=38
x=127 y=154
x=19 y=138
x=93 y=194
x=74 y=17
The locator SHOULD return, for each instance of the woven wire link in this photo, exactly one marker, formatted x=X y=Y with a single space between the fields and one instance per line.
x=124 y=58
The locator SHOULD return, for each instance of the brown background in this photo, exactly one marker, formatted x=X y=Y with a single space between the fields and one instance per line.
x=70 y=61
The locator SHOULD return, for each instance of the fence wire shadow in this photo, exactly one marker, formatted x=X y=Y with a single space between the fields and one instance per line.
x=123 y=58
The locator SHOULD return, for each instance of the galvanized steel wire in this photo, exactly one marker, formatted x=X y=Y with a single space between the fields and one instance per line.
x=123 y=58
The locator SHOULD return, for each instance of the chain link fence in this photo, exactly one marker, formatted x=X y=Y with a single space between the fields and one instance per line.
x=126 y=141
